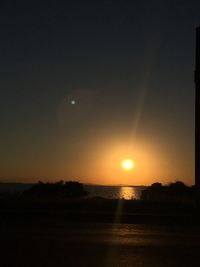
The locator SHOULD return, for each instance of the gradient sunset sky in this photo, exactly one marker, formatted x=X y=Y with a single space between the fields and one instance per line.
x=85 y=84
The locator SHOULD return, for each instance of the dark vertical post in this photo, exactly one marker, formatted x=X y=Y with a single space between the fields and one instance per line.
x=197 y=114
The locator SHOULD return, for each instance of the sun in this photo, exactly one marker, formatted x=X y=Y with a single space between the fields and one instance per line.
x=127 y=164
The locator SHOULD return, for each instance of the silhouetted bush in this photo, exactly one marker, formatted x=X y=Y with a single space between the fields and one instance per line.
x=174 y=192
x=58 y=189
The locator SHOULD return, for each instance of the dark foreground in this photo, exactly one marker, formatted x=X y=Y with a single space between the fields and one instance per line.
x=98 y=233
x=92 y=244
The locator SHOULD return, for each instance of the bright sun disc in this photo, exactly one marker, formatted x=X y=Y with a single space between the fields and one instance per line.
x=127 y=164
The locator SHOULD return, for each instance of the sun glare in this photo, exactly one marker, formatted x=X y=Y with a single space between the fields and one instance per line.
x=128 y=164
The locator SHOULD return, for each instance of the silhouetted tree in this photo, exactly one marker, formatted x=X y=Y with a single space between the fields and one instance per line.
x=177 y=191
x=58 y=189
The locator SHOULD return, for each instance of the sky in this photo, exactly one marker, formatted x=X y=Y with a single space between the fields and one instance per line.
x=86 y=84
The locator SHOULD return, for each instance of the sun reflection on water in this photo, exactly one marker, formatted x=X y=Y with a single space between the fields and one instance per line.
x=127 y=192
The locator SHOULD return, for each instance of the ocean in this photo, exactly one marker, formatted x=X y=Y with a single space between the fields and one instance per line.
x=111 y=192
x=115 y=192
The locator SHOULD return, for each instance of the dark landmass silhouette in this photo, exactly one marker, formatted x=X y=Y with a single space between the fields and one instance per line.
x=174 y=192
x=54 y=224
x=58 y=189
x=67 y=201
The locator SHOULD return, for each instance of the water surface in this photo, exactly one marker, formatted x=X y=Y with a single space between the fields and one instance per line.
x=115 y=192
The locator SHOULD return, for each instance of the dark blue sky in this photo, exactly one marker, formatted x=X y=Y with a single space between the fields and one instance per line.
x=128 y=65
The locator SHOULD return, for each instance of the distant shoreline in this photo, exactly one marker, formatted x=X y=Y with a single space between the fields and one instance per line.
x=94 y=190
x=87 y=184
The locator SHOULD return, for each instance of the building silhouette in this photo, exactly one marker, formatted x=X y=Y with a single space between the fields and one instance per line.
x=197 y=113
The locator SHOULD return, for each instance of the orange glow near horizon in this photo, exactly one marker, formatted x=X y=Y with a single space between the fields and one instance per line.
x=103 y=165
x=114 y=170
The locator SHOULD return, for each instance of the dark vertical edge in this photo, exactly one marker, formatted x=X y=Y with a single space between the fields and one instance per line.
x=197 y=113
